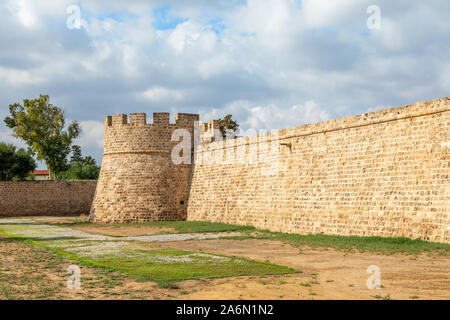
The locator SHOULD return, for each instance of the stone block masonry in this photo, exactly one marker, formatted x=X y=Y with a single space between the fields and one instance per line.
x=383 y=173
x=46 y=198
x=138 y=180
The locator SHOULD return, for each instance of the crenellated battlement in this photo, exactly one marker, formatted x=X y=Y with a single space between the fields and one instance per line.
x=209 y=130
x=159 y=119
x=132 y=133
x=388 y=169
x=137 y=169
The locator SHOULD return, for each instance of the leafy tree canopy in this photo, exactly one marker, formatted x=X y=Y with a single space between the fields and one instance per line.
x=78 y=171
x=89 y=161
x=228 y=127
x=80 y=168
x=15 y=164
x=76 y=154
x=41 y=126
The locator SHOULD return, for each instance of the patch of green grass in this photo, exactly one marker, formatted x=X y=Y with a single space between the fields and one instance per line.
x=349 y=243
x=414 y=297
x=383 y=245
x=306 y=284
x=386 y=297
x=169 y=265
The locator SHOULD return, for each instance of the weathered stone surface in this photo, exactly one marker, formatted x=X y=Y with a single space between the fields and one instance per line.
x=46 y=198
x=138 y=181
x=383 y=173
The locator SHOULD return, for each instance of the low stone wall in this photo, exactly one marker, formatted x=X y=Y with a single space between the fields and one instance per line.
x=46 y=198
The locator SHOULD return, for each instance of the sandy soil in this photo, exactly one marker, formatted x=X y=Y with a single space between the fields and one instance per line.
x=331 y=274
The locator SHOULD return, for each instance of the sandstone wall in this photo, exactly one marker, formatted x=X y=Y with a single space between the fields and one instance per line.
x=138 y=180
x=46 y=198
x=383 y=173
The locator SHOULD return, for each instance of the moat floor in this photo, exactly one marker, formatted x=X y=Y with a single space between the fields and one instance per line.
x=157 y=262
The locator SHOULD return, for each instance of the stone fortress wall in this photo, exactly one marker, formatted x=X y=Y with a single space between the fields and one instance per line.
x=138 y=181
x=383 y=173
x=46 y=198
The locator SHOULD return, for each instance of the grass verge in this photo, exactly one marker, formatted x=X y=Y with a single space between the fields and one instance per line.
x=384 y=245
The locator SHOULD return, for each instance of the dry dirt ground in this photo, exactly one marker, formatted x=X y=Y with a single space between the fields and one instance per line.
x=29 y=272
x=328 y=274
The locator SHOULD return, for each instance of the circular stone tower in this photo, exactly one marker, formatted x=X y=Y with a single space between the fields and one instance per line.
x=138 y=181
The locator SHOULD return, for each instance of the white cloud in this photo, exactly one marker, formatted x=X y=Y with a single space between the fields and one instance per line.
x=272 y=64
x=17 y=77
x=326 y=13
x=25 y=12
x=161 y=94
x=91 y=134
x=273 y=117
x=91 y=139
x=269 y=117
x=217 y=65
x=184 y=35
x=192 y=36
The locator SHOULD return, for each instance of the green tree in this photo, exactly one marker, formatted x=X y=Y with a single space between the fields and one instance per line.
x=76 y=154
x=228 y=127
x=78 y=171
x=89 y=161
x=90 y=172
x=15 y=164
x=41 y=126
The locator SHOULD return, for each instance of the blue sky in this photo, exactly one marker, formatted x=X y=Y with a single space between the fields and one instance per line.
x=272 y=64
x=165 y=18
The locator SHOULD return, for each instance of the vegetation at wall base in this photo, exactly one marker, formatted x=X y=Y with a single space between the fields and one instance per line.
x=15 y=164
x=383 y=245
x=78 y=171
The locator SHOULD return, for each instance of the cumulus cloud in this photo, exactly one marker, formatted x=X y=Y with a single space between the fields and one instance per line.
x=160 y=94
x=271 y=116
x=91 y=138
x=272 y=64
